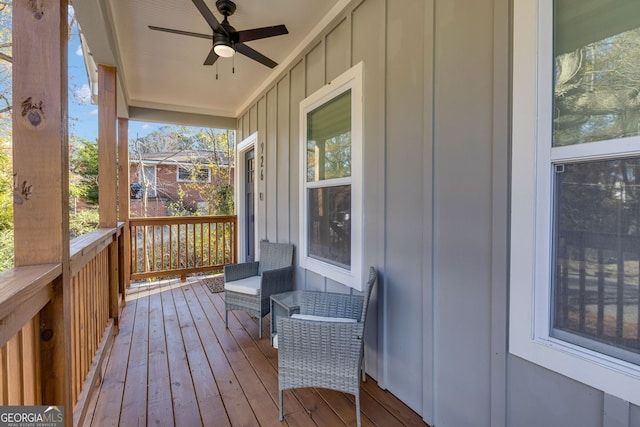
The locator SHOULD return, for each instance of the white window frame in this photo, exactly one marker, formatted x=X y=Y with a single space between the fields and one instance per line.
x=242 y=148
x=154 y=186
x=531 y=212
x=351 y=79
x=186 y=167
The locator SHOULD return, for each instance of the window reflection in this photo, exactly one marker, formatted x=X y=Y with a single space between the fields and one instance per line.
x=329 y=140
x=330 y=225
x=596 y=73
x=597 y=253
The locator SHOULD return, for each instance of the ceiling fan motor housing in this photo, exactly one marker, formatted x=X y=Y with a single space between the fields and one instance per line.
x=222 y=38
x=226 y=7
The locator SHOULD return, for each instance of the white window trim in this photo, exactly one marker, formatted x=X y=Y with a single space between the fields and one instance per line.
x=531 y=193
x=350 y=79
x=242 y=148
x=154 y=186
x=186 y=166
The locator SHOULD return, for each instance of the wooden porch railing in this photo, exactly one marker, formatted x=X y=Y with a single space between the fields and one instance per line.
x=181 y=245
x=84 y=312
x=28 y=376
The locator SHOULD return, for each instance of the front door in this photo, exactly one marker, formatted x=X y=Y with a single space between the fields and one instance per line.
x=250 y=163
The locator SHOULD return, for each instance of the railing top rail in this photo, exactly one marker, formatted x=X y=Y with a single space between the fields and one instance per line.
x=599 y=240
x=86 y=247
x=169 y=220
x=82 y=244
x=18 y=283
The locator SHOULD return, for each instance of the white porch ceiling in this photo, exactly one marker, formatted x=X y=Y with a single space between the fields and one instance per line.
x=164 y=73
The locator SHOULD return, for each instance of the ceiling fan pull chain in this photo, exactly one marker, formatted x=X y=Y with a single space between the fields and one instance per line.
x=216 y=71
x=233 y=64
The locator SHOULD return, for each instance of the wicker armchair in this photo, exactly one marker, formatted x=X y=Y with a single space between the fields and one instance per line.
x=248 y=286
x=323 y=352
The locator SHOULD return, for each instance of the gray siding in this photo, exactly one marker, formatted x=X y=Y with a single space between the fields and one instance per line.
x=405 y=177
x=436 y=164
x=463 y=148
x=538 y=397
x=634 y=416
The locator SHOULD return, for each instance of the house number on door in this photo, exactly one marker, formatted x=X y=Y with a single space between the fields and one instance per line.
x=262 y=161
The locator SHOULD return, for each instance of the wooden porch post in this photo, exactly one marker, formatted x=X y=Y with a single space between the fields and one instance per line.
x=107 y=175
x=107 y=145
x=124 y=198
x=41 y=176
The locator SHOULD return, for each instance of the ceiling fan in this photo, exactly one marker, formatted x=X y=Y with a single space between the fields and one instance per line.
x=226 y=40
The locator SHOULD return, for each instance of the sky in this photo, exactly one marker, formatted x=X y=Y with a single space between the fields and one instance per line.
x=83 y=115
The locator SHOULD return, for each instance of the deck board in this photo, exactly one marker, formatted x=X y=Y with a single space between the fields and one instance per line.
x=185 y=404
x=207 y=395
x=237 y=406
x=159 y=403
x=175 y=363
x=109 y=397
x=135 y=387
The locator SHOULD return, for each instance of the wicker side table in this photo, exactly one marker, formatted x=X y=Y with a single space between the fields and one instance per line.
x=284 y=304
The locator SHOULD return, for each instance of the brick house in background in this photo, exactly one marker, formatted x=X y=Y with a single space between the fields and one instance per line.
x=178 y=181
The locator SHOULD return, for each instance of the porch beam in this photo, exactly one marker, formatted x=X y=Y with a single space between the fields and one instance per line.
x=41 y=177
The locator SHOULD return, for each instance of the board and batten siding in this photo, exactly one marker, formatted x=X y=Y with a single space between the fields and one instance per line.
x=436 y=174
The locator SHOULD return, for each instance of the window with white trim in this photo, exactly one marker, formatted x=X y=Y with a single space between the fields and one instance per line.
x=148 y=180
x=331 y=173
x=575 y=245
x=194 y=173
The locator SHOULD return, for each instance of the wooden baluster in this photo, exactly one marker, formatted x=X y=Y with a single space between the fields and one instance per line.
x=179 y=248
x=234 y=236
x=216 y=240
x=620 y=294
x=202 y=244
x=186 y=245
x=638 y=303
x=163 y=249
x=145 y=247
x=564 y=286
x=210 y=260
x=600 y=315
x=171 y=246
x=582 y=300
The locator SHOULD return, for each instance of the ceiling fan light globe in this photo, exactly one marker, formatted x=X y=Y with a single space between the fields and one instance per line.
x=224 y=50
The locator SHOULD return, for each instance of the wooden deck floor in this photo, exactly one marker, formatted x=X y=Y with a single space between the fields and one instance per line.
x=174 y=364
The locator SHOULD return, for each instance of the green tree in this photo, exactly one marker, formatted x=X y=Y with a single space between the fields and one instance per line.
x=218 y=193
x=84 y=170
x=6 y=169
x=6 y=186
x=210 y=151
x=5 y=60
x=83 y=221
